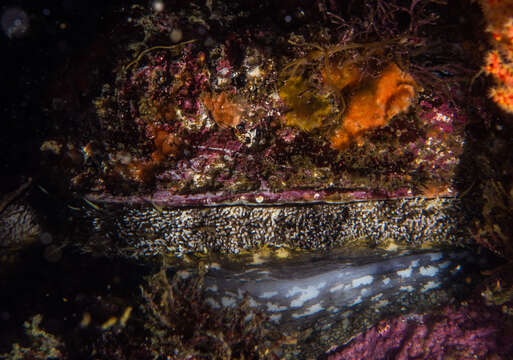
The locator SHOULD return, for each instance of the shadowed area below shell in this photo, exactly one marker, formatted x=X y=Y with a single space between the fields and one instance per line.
x=325 y=298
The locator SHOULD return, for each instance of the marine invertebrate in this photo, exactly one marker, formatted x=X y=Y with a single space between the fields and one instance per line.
x=308 y=109
x=499 y=60
x=299 y=296
x=225 y=111
x=167 y=145
x=333 y=292
x=310 y=100
x=374 y=105
x=178 y=94
x=502 y=94
x=340 y=76
x=240 y=228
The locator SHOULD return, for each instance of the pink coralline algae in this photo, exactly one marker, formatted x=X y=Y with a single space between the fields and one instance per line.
x=248 y=111
x=465 y=332
x=441 y=119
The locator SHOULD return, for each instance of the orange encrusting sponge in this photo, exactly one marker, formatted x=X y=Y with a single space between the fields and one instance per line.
x=340 y=77
x=226 y=112
x=373 y=106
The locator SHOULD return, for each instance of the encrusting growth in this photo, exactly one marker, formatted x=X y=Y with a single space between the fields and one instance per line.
x=309 y=109
x=316 y=99
x=226 y=112
x=340 y=77
x=498 y=62
x=373 y=106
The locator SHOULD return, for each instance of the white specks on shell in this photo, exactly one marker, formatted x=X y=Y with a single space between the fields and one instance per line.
x=347 y=314
x=428 y=270
x=228 y=301
x=382 y=303
x=406 y=273
x=275 y=318
x=242 y=227
x=252 y=302
x=214 y=266
x=377 y=297
x=306 y=294
x=436 y=257
x=364 y=280
x=309 y=311
x=240 y=294
x=356 y=301
x=430 y=285
x=275 y=307
x=268 y=294
x=333 y=309
x=183 y=274
x=408 y=288
x=337 y=288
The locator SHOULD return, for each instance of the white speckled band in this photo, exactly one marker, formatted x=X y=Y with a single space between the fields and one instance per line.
x=308 y=290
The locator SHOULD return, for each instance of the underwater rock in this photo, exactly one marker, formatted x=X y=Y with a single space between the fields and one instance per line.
x=188 y=120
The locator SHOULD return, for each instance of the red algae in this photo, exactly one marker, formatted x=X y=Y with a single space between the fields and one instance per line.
x=228 y=116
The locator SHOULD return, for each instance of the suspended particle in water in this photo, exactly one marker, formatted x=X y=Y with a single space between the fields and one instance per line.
x=15 y=22
x=158 y=5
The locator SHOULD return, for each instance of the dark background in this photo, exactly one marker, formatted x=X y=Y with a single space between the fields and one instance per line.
x=58 y=33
